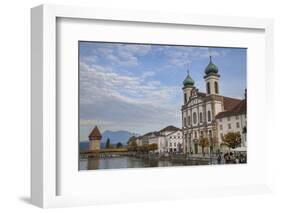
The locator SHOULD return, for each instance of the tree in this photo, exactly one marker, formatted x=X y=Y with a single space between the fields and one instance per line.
x=153 y=147
x=119 y=145
x=131 y=139
x=232 y=139
x=132 y=146
x=203 y=142
x=107 y=143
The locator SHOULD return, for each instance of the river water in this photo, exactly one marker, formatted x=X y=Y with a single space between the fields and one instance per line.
x=131 y=162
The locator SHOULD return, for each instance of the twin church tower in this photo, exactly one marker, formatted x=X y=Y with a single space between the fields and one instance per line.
x=199 y=110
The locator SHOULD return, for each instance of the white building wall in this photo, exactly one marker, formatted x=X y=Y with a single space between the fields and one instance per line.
x=218 y=107
x=174 y=141
x=212 y=80
x=232 y=124
x=208 y=108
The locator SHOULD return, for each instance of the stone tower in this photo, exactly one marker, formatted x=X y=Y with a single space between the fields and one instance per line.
x=188 y=85
x=94 y=139
x=214 y=103
x=212 y=79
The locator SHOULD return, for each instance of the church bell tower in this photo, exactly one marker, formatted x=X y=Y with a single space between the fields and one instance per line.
x=212 y=78
x=188 y=85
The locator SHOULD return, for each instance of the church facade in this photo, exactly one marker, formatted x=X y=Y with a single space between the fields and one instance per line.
x=207 y=114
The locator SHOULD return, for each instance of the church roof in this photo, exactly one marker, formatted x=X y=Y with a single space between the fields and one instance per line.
x=188 y=81
x=240 y=108
x=211 y=68
x=95 y=133
x=230 y=103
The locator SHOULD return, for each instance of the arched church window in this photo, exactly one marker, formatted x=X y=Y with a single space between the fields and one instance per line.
x=216 y=87
x=208 y=88
x=185 y=99
x=194 y=118
x=201 y=117
x=188 y=120
x=209 y=115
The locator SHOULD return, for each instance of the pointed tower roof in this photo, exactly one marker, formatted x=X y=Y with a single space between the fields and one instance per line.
x=95 y=134
x=188 y=81
x=211 y=68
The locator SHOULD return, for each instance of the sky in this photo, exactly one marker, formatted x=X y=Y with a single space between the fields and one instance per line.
x=138 y=87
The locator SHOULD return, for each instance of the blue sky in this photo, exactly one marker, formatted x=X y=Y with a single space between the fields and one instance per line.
x=139 y=87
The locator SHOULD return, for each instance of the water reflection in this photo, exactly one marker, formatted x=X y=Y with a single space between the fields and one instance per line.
x=131 y=162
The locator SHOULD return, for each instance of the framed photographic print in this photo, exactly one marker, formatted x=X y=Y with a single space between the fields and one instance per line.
x=126 y=97
x=151 y=111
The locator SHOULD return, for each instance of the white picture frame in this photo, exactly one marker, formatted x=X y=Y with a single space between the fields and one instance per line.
x=44 y=149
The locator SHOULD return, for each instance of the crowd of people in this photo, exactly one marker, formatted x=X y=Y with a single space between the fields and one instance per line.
x=233 y=157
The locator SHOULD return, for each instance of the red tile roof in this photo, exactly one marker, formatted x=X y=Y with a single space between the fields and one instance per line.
x=240 y=108
x=95 y=134
x=230 y=103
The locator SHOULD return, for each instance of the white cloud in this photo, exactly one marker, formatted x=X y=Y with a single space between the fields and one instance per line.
x=182 y=56
x=118 y=54
x=119 y=101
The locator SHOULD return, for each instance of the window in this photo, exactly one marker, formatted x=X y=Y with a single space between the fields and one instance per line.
x=221 y=127
x=209 y=116
x=210 y=133
x=228 y=118
x=184 y=121
x=201 y=134
x=195 y=134
x=194 y=118
x=229 y=126
x=237 y=117
x=201 y=117
x=216 y=88
x=237 y=125
x=185 y=99
x=175 y=144
x=188 y=120
x=208 y=88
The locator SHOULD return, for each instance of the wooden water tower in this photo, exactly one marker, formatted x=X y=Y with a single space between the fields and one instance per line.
x=94 y=139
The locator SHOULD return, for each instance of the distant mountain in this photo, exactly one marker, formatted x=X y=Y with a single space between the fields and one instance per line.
x=117 y=136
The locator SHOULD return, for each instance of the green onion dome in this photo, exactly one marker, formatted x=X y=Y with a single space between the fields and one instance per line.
x=188 y=81
x=211 y=68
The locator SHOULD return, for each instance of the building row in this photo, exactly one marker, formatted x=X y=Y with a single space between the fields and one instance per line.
x=168 y=140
